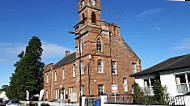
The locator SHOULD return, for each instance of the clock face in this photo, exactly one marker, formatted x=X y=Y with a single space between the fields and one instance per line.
x=93 y=2
x=82 y=3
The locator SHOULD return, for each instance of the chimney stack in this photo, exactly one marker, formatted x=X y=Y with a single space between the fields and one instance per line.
x=67 y=52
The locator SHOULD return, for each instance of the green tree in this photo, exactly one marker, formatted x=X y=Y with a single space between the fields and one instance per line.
x=28 y=73
x=160 y=95
x=138 y=94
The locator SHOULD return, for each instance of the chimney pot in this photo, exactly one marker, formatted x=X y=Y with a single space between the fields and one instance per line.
x=67 y=52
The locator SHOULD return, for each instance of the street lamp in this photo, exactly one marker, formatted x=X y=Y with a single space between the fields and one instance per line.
x=79 y=62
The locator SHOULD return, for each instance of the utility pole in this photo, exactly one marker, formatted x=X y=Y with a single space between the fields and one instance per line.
x=79 y=63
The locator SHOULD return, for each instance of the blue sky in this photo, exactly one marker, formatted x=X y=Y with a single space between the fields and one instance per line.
x=154 y=29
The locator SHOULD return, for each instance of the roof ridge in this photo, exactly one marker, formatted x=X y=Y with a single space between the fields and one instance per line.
x=64 y=58
x=175 y=61
x=169 y=64
x=155 y=65
x=180 y=56
x=167 y=60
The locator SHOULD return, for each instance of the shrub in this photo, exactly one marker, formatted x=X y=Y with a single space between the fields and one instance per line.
x=160 y=96
x=33 y=104
x=138 y=94
x=45 y=104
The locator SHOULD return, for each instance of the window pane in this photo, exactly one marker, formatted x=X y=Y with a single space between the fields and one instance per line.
x=180 y=79
x=182 y=88
x=63 y=74
x=100 y=89
x=188 y=77
x=100 y=66
x=55 y=76
x=74 y=70
x=82 y=68
x=99 y=45
x=146 y=83
x=81 y=46
x=82 y=90
x=152 y=81
x=181 y=83
x=47 y=79
x=113 y=66
x=125 y=87
x=46 y=94
x=134 y=68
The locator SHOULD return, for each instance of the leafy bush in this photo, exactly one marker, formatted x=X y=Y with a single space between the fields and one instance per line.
x=45 y=104
x=33 y=104
x=138 y=94
x=160 y=96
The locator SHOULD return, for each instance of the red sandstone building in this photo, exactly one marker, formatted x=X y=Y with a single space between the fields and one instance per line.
x=106 y=60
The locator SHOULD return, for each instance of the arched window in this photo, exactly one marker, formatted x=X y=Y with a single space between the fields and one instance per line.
x=82 y=3
x=63 y=74
x=93 y=17
x=81 y=46
x=99 y=44
x=100 y=66
x=55 y=76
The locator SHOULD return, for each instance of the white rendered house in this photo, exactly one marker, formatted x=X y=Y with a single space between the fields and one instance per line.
x=174 y=74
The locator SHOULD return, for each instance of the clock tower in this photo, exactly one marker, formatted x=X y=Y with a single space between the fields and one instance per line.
x=88 y=27
x=89 y=12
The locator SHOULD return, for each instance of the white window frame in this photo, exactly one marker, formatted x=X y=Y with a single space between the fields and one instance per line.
x=100 y=89
x=81 y=46
x=99 y=44
x=114 y=67
x=63 y=74
x=100 y=66
x=82 y=67
x=125 y=85
x=134 y=68
x=55 y=76
x=74 y=70
x=82 y=90
x=47 y=94
x=56 y=94
x=47 y=78
x=187 y=83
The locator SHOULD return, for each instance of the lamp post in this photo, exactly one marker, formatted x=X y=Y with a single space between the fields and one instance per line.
x=79 y=63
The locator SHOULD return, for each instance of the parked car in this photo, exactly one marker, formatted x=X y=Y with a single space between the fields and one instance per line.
x=13 y=103
x=5 y=102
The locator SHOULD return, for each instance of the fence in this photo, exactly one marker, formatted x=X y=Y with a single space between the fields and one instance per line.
x=120 y=99
x=179 y=100
x=26 y=103
x=92 y=101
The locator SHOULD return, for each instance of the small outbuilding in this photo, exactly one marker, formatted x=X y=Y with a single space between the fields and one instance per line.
x=174 y=74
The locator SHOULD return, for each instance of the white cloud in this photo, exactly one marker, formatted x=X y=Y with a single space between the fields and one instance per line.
x=9 y=51
x=51 y=50
x=149 y=12
x=157 y=28
x=185 y=45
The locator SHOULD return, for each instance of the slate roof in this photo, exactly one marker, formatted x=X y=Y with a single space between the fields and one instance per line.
x=65 y=60
x=174 y=63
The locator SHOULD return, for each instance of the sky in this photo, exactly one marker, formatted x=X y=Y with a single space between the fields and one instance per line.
x=155 y=29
